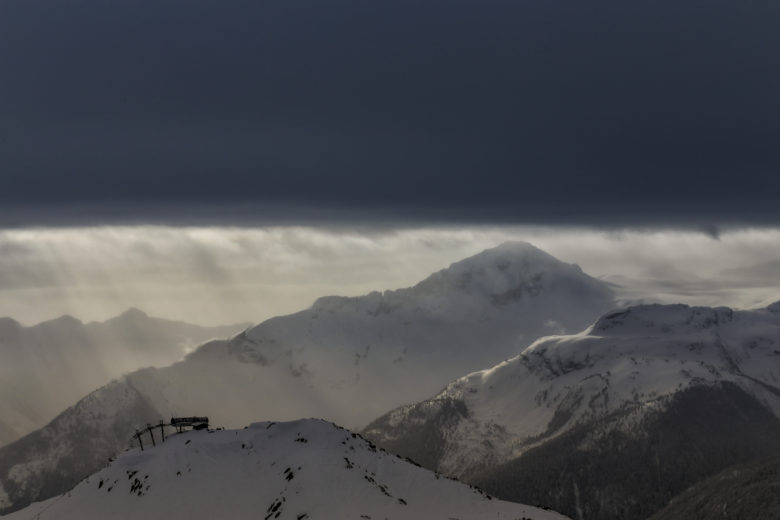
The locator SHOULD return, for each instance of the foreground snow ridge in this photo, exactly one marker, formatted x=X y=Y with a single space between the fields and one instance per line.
x=306 y=469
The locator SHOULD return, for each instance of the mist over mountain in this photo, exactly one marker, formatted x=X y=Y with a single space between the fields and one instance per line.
x=47 y=367
x=343 y=359
x=299 y=470
x=763 y=273
x=610 y=423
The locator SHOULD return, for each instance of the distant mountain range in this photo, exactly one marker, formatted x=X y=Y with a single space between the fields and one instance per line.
x=301 y=470
x=610 y=423
x=344 y=359
x=48 y=367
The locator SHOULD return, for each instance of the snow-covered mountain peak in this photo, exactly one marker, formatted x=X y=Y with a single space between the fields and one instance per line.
x=509 y=251
x=499 y=267
x=656 y=318
x=302 y=469
x=507 y=273
x=515 y=276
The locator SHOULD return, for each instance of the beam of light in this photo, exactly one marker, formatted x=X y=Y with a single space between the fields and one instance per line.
x=213 y=275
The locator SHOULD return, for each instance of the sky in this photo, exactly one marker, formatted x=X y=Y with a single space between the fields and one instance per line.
x=491 y=110
x=228 y=161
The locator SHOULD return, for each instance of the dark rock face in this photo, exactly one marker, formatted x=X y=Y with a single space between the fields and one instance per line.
x=749 y=491
x=423 y=442
x=74 y=445
x=602 y=471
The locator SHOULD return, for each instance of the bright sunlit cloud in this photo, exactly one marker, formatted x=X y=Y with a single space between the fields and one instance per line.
x=214 y=275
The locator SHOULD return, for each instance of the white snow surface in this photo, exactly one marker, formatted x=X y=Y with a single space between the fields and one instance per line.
x=631 y=359
x=305 y=469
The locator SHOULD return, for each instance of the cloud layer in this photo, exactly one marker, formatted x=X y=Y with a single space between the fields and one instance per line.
x=215 y=275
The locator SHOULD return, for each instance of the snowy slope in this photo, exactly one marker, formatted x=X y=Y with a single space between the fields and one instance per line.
x=635 y=356
x=305 y=469
x=51 y=460
x=625 y=377
x=48 y=367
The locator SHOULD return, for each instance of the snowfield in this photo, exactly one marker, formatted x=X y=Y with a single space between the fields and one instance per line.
x=305 y=469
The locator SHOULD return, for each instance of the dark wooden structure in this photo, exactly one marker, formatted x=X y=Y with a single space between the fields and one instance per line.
x=150 y=429
x=196 y=423
x=180 y=423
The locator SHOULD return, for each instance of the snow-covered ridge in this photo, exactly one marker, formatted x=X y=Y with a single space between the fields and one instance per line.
x=301 y=470
x=728 y=342
x=671 y=319
x=635 y=359
x=510 y=267
x=508 y=273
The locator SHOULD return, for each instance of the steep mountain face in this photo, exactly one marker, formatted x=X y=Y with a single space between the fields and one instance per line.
x=747 y=491
x=51 y=460
x=605 y=470
x=351 y=359
x=47 y=367
x=623 y=416
x=298 y=470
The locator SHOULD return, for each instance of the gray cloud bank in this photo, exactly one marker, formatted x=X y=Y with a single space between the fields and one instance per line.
x=212 y=275
x=543 y=111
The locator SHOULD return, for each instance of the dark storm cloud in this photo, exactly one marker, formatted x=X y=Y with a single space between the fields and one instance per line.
x=556 y=110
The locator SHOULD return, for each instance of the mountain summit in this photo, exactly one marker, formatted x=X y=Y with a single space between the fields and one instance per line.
x=301 y=470
x=510 y=273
